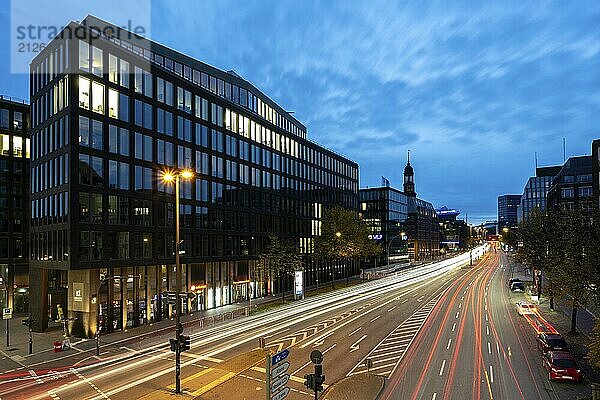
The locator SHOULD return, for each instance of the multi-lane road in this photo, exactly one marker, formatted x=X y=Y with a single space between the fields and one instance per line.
x=438 y=331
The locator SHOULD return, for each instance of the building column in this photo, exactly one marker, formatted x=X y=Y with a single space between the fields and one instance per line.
x=82 y=314
x=38 y=303
x=110 y=295
x=136 y=300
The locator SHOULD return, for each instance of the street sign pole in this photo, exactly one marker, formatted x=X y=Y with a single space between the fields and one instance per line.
x=7 y=333
x=268 y=370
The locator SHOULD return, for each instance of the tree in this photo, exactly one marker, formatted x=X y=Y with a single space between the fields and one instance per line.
x=279 y=260
x=344 y=236
x=594 y=346
x=533 y=247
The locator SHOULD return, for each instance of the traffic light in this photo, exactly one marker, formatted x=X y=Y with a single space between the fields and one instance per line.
x=173 y=343
x=184 y=342
x=319 y=378
x=310 y=381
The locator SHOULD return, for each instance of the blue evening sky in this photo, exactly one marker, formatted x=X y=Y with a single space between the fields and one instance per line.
x=473 y=89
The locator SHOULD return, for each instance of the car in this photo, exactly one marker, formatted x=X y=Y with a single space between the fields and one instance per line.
x=524 y=307
x=551 y=342
x=517 y=287
x=511 y=281
x=561 y=365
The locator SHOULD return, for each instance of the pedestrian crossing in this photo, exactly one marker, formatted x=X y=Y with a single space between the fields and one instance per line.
x=385 y=357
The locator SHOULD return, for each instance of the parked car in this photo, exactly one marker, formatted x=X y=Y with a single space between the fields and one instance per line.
x=524 y=307
x=511 y=281
x=561 y=365
x=551 y=342
x=517 y=287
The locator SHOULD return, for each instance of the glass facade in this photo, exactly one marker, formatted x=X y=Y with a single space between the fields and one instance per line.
x=256 y=173
x=508 y=206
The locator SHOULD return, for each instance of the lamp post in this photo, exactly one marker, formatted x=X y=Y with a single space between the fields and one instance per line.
x=167 y=177
x=400 y=235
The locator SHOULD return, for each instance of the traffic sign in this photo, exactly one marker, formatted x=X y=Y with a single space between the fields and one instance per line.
x=7 y=313
x=282 y=355
x=280 y=369
x=282 y=394
x=280 y=382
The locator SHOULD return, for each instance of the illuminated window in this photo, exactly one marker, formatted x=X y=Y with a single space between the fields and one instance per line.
x=113 y=103
x=17 y=146
x=113 y=75
x=84 y=93
x=26 y=148
x=5 y=145
x=97 y=97
x=124 y=73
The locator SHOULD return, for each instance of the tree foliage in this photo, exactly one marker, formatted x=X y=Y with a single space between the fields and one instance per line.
x=344 y=235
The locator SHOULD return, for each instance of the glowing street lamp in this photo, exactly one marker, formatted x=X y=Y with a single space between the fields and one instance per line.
x=167 y=177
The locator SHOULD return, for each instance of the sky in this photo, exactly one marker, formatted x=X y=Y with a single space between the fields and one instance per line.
x=473 y=89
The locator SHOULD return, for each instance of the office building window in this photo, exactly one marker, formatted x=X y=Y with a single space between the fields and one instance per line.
x=17 y=146
x=84 y=56
x=18 y=121
x=184 y=129
x=118 y=175
x=98 y=97
x=143 y=178
x=567 y=193
x=84 y=92
x=5 y=146
x=143 y=81
x=90 y=170
x=143 y=147
x=118 y=140
x=164 y=152
x=113 y=69
x=124 y=73
x=118 y=210
x=84 y=131
x=96 y=61
x=164 y=122
x=97 y=135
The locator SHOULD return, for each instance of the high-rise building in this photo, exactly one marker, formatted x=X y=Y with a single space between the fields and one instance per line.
x=14 y=203
x=536 y=190
x=571 y=188
x=110 y=115
x=508 y=205
x=454 y=233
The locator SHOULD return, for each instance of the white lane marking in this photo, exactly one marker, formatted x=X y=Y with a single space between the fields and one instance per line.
x=391 y=308
x=457 y=313
x=38 y=380
x=487 y=329
x=462 y=298
x=404 y=301
x=486 y=317
x=498 y=349
x=453 y=327
x=354 y=331
x=460 y=305
x=491 y=374
x=376 y=318
x=442 y=368
x=356 y=346
x=489 y=348
x=449 y=343
x=310 y=362
x=434 y=396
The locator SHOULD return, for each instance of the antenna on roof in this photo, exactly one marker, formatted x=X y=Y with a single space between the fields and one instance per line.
x=564 y=150
x=536 y=163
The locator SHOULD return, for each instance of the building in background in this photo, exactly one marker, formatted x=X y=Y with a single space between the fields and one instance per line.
x=455 y=234
x=596 y=172
x=571 y=188
x=401 y=222
x=109 y=115
x=508 y=206
x=535 y=191
x=14 y=204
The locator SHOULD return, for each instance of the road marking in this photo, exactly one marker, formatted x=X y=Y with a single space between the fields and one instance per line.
x=391 y=308
x=442 y=368
x=486 y=317
x=36 y=377
x=434 y=396
x=489 y=348
x=460 y=305
x=453 y=327
x=457 y=313
x=491 y=374
x=487 y=329
x=376 y=318
x=213 y=384
x=404 y=301
x=462 y=298
x=449 y=343
x=354 y=331
x=80 y=376
x=356 y=346
x=498 y=348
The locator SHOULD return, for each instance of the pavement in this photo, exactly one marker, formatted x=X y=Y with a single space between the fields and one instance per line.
x=363 y=386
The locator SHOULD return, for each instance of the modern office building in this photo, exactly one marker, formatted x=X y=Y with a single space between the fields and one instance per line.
x=111 y=112
x=14 y=204
x=596 y=172
x=400 y=221
x=571 y=188
x=535 y=191
x=508 y=205
x=454 y=232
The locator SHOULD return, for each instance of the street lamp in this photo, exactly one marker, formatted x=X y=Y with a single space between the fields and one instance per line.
x=168 y=177
x=401 y=235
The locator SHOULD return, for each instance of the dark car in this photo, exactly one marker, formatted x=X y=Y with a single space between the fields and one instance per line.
x=551 y=342
x=517 y=287
x=511 y=281
x=561 y=365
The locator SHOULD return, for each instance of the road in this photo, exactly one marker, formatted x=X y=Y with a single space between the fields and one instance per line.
x=346 y=325
x=475 y=345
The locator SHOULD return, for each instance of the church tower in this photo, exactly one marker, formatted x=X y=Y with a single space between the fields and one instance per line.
x=409 y=179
